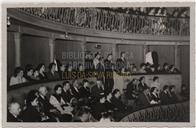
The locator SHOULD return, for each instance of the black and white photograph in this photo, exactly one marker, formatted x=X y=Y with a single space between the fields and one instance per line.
x=98 y=64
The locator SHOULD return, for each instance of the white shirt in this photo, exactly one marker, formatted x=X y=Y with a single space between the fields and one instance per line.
x=16 y=80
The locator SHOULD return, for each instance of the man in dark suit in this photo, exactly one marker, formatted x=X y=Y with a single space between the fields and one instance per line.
x=164 y=95
x=117 y=102
x=85 y=90
x=109 y=80
x=144 y=98
x=75 y=89
x=13 y=112
x=121 y=62
x=97 y=89
x=45 y=106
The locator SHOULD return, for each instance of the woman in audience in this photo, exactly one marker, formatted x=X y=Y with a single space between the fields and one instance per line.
x=67 y=94
x=52 y=74
x=29 y=73
x=75 y=89
x=64 y=108
x=61 y=71
x=142 y=68
x=41 y=71
x=172 y=69
x=165 y=68
x=164 y=95
x=31 y=114
x=18 y=77
x=154 y=96
x=142 y=85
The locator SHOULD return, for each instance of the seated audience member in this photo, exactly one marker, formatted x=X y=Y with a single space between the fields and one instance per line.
x=83 y=115
x=131 y=68
x=155 y=82
x=106 y=117
x=108 y=103
x=64 y=108
x=131 y=92
x=13 y=112
x=52 y=74
x=99 y=107
x=164 y=95
x=172 y=69
x=142 y=68
x=154 y=96
x=172 y=93
x=29 y=76
x=75 y=89
x=148 y=70
x=18 y=77
x=144 y=98
x=46 y=108
x=31 y=114
x=85 y=90
x=165 y=68
x=41 y=71
x=67 y=94
x=116 y=101
x=152 y=69
x=97 y=89
x=142 y=85
x=184 y=92
x=134 y=69
x=158 y=69
x=61 y=71
x=36 y=75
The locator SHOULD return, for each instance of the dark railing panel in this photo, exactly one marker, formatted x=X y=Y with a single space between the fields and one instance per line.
x=94 y=18
x=178 y=112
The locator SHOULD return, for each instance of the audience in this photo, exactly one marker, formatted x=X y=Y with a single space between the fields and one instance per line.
x=74 y=102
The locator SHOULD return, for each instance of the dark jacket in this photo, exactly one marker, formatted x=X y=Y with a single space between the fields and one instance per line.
x=142 y=87
x=121 y=64
x=54 y=76
x=164 y=97
x=118 y=104
x=31 y=114
x=11 y=118
x=67 y=96
x=45 y=105
x=143 y=100
x=84 y=92
x=95 y=91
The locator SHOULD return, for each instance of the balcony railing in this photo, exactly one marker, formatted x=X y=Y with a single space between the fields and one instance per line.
x=98 y=19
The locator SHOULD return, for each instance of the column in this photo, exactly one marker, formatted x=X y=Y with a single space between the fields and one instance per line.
x=51 y=47
x=17 y=41
x=176 y=56
x=83 y=52
x=114 y=51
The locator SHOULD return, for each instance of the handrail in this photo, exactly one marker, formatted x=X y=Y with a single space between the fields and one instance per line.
x=178 y=112
x=105 y=20
x=47 y=81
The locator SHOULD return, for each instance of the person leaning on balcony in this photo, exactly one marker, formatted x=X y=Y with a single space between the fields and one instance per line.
x=52 y=74
x=18 y=77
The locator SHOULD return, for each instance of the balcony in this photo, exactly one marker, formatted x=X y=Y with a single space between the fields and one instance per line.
x=110 y=21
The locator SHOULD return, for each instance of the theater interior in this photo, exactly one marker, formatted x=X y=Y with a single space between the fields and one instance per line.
x=64 y=36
